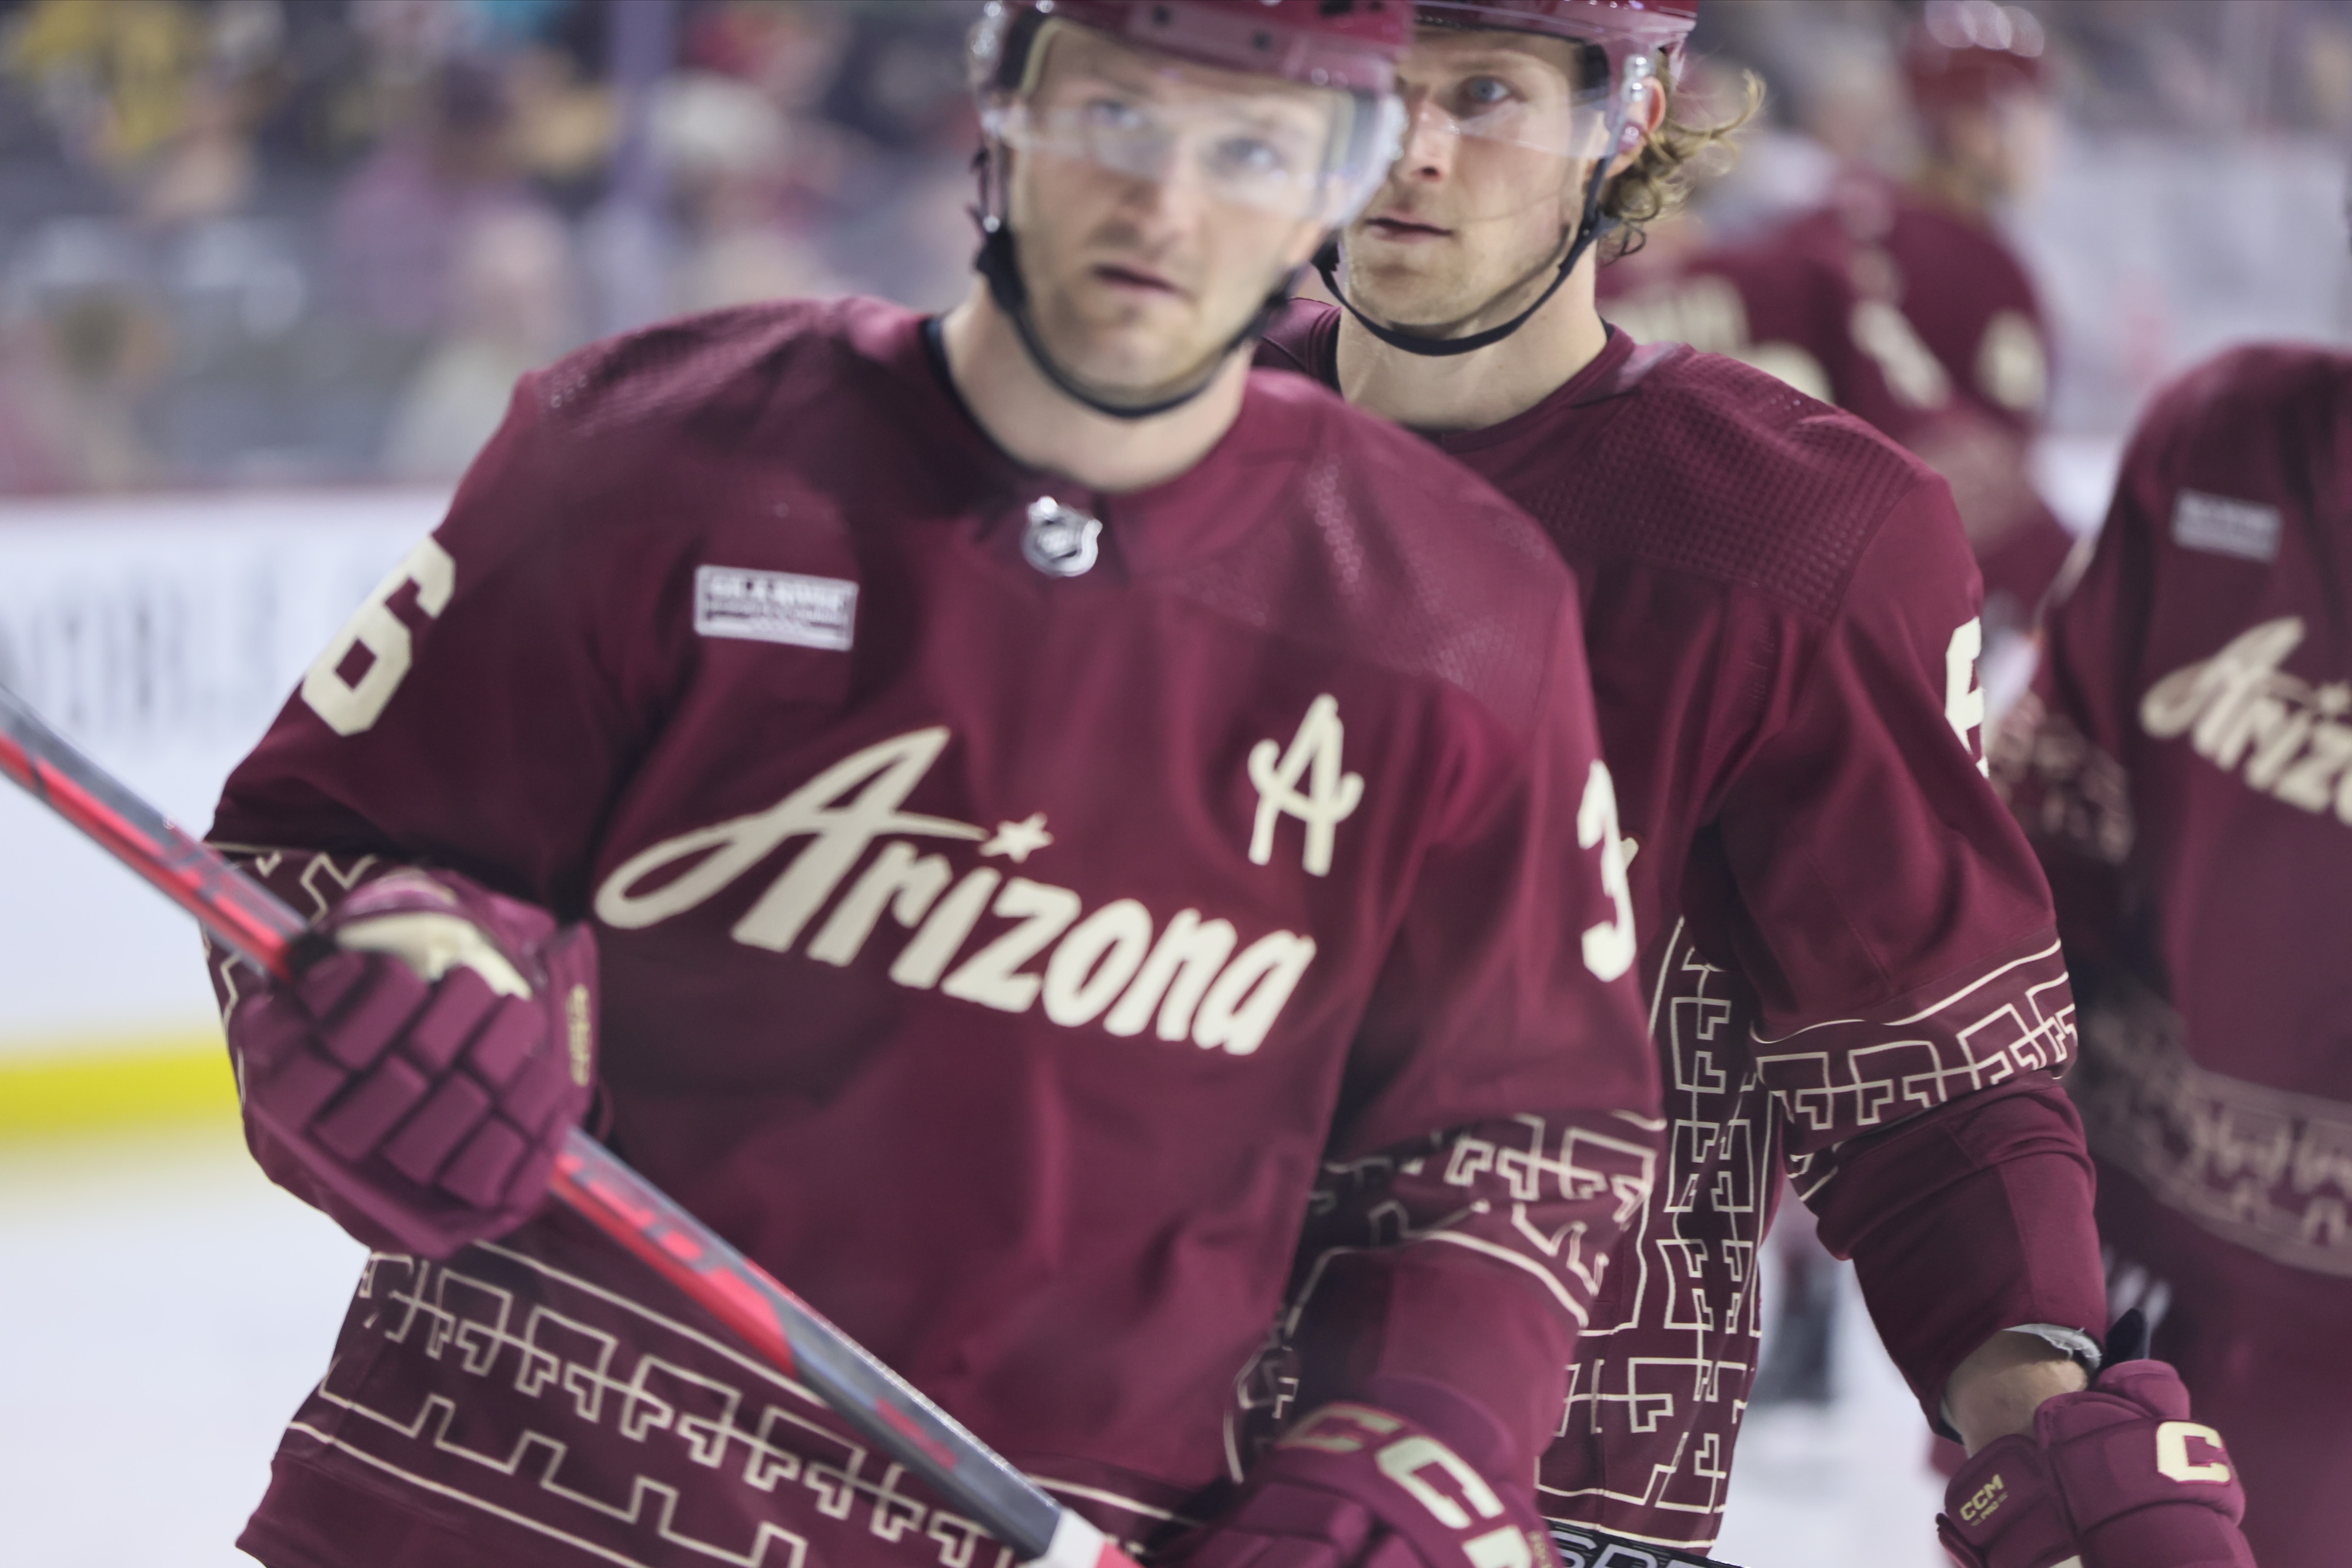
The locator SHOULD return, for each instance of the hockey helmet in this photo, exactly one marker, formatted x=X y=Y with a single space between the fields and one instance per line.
x=1348 y=48
x=1622 y=27
x=1568 y=120
x=1968 y=53
x=1619 y=45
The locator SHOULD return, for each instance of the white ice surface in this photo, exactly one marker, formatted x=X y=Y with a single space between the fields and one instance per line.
x=163 y=1310
x=1845 y=1485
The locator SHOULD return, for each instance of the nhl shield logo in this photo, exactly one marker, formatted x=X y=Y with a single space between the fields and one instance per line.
x=1060 y=541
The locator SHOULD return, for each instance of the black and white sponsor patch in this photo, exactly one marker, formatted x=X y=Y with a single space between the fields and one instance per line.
x=774 y=607
x=2221 y=526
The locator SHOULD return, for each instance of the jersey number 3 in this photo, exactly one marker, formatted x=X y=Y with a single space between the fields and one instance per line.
x=1608 y=946
x=350 y=707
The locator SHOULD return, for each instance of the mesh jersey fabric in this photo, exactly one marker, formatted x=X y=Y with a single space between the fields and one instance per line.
x=1847 y=947
x=1919 y=320
x=1008 y=963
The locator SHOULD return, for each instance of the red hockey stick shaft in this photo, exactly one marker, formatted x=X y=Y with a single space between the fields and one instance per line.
x=890 y=1412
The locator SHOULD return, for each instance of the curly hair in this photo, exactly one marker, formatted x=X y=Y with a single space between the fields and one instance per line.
x=1672 y=160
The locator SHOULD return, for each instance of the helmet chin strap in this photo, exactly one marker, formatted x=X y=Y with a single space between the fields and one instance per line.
x=1000 y=264
x=1590 y=229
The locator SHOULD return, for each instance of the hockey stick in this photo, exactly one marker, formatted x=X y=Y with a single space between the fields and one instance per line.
x=884 y=1407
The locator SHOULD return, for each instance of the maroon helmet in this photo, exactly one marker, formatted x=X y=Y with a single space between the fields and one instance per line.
x=1352 y=45
x=1623 y=28
x=1968 y=53
x=1349 y=47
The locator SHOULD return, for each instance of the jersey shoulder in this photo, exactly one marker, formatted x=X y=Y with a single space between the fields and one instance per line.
x=707 y=375
x=1298 y=337
x=1416 y=562
x=1716 y=469
x=649 y=441
x=2236 y=401
x=2238 y=443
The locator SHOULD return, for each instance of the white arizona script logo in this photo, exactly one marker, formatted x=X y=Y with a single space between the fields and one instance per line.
x=1108 y=965
x=2285 y=736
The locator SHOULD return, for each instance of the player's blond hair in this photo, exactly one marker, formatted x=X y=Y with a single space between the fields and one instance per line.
x=1672 y=161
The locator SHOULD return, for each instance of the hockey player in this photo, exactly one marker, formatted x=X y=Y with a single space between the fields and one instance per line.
x=1065 y=831
x=1900 y=301
x=1847 y=949
x=2184 y=767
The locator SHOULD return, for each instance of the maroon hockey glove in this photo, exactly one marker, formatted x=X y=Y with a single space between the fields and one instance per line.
x=416 y=1083
x=1354 y=1486
x=2114 y=1476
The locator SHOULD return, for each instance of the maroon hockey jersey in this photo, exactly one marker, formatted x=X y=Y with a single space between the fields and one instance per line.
x=1034 y=971
x=1920 y=321
x=2185 y=764
x=1846 y=948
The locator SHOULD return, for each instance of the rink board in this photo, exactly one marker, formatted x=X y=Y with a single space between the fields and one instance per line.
x=162 y=635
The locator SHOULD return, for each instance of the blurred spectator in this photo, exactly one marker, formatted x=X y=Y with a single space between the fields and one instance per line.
x=299 y=185
x=729 y=155
x=398 y=226
x=81 y=345
x=509 y=309
x=112 y=75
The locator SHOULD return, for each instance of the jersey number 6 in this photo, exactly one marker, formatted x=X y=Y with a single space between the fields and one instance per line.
x=1608 y=946
x=348 y=707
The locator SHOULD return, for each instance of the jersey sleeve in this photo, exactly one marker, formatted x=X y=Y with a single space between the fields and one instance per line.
x=2020 y=545
x=1499 y=1120
x=467 y=715
x=1915 y=1009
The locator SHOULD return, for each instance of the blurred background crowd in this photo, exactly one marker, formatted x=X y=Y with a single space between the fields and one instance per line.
x=272 y=241
x=313 y=241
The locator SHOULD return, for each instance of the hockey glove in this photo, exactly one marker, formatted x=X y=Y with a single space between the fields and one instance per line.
x=415 y=1084
x=1353 y=1486
x=2113 y=1477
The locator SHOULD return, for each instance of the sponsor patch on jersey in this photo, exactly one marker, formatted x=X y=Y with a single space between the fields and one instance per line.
x=774 y=607
x=2221 y=526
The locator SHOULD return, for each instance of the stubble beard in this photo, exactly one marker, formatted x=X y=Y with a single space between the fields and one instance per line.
x=1127 y=349
x=1134 y=350
x=1446 y=290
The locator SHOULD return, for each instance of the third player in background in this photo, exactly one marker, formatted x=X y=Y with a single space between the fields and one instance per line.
x=1901 y=301
x=2181 y=764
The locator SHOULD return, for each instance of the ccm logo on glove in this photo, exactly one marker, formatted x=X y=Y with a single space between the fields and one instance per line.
x=2115 y=1476
x=1989 y=1496
x=1356 y=1486
x=1407 y=1461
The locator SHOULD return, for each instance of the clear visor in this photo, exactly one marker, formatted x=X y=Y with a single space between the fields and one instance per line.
x=1294 y=152
x=1499 y=122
